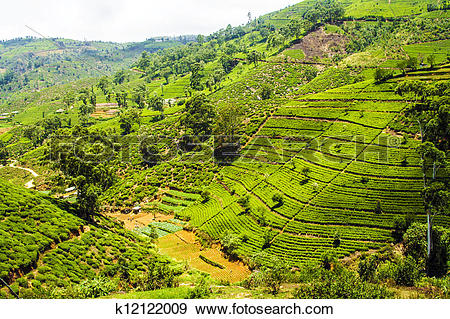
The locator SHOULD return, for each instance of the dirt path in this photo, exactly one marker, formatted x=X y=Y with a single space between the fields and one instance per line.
x=29 y=184
x=29 y=170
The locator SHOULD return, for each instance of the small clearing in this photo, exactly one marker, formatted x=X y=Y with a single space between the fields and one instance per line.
x=319 y=44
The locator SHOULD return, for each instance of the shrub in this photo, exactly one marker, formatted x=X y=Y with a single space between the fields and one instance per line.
x=266 y=92
x=367 y=268
x=337 y=240
x=230 y=243
x=211 y=262
x=278 y=199
x=341 y=285
x=406 y=272
x=201 y=289
x=382 y=75
x=206 y=196
x=96 y=287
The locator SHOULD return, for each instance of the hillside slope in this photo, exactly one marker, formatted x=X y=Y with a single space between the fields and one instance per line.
x=342 y=172
x=44 y=247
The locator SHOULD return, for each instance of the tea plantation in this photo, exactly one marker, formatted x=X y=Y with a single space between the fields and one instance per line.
x=340 y=172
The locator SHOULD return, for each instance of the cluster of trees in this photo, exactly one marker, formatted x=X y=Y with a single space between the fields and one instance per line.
x=37 y=133
x=431 y=112
x=84 y=159
x=325 y=11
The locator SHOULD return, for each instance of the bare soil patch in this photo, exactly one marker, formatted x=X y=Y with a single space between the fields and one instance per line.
x=321 y=45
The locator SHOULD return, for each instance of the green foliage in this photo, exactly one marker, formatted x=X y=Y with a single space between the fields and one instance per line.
x=324 y=11
x=367 y=268
x=277 y=198
x=382 y=75
x=129 y=120
x=415 y=242
x=341 y=284
x=406 y=272
x=206 y=196
x=274 y=275
x=95 y=288
x=230 y=243
x=199 y=116
x=201 y=289
x=266 y=92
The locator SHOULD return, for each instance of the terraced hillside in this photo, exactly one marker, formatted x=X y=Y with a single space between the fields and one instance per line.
x=44 y=246
x=343 y=174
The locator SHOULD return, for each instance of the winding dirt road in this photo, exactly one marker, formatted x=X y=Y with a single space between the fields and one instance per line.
x=29 y=184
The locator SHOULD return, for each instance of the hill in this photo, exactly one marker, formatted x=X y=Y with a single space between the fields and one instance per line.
x=45 y=246
x=291 y=145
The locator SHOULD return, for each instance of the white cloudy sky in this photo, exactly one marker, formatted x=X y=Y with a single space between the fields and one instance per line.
x=123 y=21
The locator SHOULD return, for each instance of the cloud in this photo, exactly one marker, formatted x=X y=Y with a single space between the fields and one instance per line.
x=125 y=21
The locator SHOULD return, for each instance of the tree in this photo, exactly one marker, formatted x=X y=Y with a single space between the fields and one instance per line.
x=412 y=63
x=254 y=57
x=129 y=119
x=103 y=84
x=87 y=197
x=382 y=75
x=196 y=76
x=230 y=243
x=165 y=73
x=415 y=246
x=324 y=11
x=143 y=63
x=206 y=196
x=84 y=112
x=266 y=91
x=277 y=198
x=149 y=151
x=156 y=103
x=35 y=133
x=294 y=29
x=275 y=274
x=119 y=77
x=84 y=95
x=367 y=267
x=431 y=59
x=4 y=154
x=228 y=63
x=83 y=165
x=430 y=110
x=228 y=120
x=121 y=98
x=244 y=201
x=402 y=65
x=199 y=116
x=139 y=95
x=69 y=99
x=275 y=40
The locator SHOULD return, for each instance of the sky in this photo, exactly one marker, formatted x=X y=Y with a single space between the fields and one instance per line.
x=126 y=20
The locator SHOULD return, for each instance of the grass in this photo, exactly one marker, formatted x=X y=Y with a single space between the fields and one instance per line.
x=166 y=293
x=294 y=53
